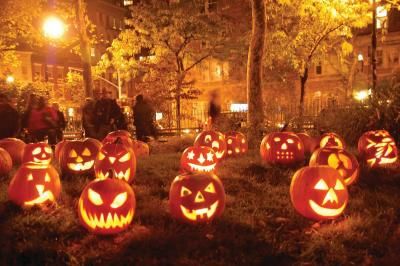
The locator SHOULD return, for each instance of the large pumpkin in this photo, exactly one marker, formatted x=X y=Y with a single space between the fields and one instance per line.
x=15 y=147
x=236 y=143
x=214 y=140
x=318 y=192
x=34 y=184
x=40 y=152
x=122 y=135
x=141 y=148
x=106 y=206
x=284 y=148
x=310 y=143
x=5 y=162
x=116 y=157
x=344 y=162
x=331 y=140
x=196 y=198
x=377 y=148
x=198 y=159
x=78 y=156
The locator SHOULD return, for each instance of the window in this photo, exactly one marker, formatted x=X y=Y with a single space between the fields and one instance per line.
x=49 y=73
x=92 y=51
x=318 y=69
x=128 y=2
x=114 y=23
x=60 y=73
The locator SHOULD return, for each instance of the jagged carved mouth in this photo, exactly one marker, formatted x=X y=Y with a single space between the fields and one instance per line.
x=46 y=161
x=282 y=155
x=195 y=167
x=120 y=175
x=199 y=214
x=43 y=196
x=327 y=212
x=81 y=166
x=105 y=221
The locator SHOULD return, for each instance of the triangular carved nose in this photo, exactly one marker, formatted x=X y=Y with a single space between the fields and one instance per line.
x=199 y=197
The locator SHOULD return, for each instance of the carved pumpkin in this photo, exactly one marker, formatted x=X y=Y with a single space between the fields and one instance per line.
x=15 y=147
x=34 y=184
x=106 y=206
x=198 y=159
x=318 y=192
x=118 y=158
x=57 y=151
x=236 y=143
x=344 y=162
x=123 y=136
x=214 y=140
x=78 y=156
x=141 y=148
x=40 y=152
x=377 y=148
x=331 y=140
x=196 y=198
x=284 y=148
x=5 y=162
x=310 y=143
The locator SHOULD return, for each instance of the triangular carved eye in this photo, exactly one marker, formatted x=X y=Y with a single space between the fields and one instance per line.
x=86 y=152
x=321 y=185
x=119 y=200
x=277 y=139
x=185 y=192
x=210 y=188
x=73 y=154
x=101 y=156
x=125 y=158
x=47 y=178
x=48 y=150
x=36 y=151
x=30 y=177
x=339 y=185
x=95 y=197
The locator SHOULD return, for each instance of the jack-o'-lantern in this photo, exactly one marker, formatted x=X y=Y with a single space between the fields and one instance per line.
x=5 y=162
x=377 y=148
x=122 y=135
x=344 y=162
x=236 y=143
x=318 y=192
x=331 y=140
x=198 y=159
x=106 y=206
x=78 y=156
x=15 y=147
x=58 y=148
x=118 y=158
x=141 y=148
x=214 y=140
x=196 y=198
x=310 y=143
x=40 y=152
x=34 y=184
x=284 y=148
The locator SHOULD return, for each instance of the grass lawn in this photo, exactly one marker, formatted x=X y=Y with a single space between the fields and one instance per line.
x=259 y=225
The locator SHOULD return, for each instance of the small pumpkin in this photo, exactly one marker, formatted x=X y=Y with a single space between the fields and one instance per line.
x=214 y=140
x=34 y=184
x=198 y=159
x=122 y=135
x=141 y=148
x=236 y=143
x=331 y=140
x=310 y=143
x=344 y=162
x=57 y=150
x=15 y=147
x=196 y=198
x=318 y=192
x=40 y=152
x=283 y=148
x=5 y=162
x=378 y=148
x=106 y=206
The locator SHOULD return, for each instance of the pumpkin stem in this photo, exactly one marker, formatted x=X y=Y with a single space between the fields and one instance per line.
x=118 y=140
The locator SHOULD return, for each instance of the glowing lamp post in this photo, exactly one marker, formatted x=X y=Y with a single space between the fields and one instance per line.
x=10 y=79
x=362 y=95
x=53 y=28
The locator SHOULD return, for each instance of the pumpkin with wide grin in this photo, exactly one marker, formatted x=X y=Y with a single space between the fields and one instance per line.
x=213 y=139
x=40 y=152
x=198 y=159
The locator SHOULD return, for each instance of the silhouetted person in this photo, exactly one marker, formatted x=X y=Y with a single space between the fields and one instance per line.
x=88 y=118
x=106 y=113
x=214 y=109
x=10 y=118
x=61 y=123
x=143 y=115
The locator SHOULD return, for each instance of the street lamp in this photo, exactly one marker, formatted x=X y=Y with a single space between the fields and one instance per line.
x=53 y=27
x=362 y=95
x=10 y=79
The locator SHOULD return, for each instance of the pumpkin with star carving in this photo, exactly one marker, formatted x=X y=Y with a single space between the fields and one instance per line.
x=198 y=159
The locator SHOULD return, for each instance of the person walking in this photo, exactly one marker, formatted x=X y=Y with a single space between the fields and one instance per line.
x=214 y=110
x=61 y=123
x=88 y=118
x=143 y=115
x=10 y=124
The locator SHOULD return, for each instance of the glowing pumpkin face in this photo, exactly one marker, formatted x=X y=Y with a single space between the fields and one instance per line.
x=378 y=148
x=34 y=184
x=214 y=140
x=198 y=159
x=318 y=192
x=106 y=206
x=15 y=147
x=196 y=198
x=282 y=148
x=344 y=162
x=40 y=152
x=331 y=140
x=141 y=148
x=310 y=143
x=236 y=143
x=77 y=157
x=118 y=158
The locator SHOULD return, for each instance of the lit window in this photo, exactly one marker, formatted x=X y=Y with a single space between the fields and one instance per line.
x=92 y=51
x=239 y=107
x=128 y=2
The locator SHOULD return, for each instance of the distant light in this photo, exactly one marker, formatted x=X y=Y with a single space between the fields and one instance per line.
x=71 y=112
x=280 y=125
x=159 y=116
x=360 y=57
x=186 y=131
x=362 y=95
x=10 y=79
x=239 y=107
x=53 y=28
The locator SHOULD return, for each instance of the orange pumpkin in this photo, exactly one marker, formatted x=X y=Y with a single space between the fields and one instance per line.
x=106 y=206
x=214 y=140
x=344 y=162
x=40 y=152
x=331 y=140
x=196 y=198
x=122 y=135
x=141 y=148
x=15 y=147
x=5 y=162
x=378 y=148
x=198 y=159
x=318 y=192
x=34 y=184
x=284 y=148
x=58 y=148
x=310 y=143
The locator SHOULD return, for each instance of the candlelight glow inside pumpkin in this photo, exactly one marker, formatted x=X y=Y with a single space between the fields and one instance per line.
x=214 y=140
x=282 y=148
x=198 y=159
x=331 y=140
x=38 y=153
x=106 y=206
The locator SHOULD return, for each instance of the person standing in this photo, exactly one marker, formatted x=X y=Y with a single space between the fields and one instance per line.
x=106 y=114
x=214 y=110
x=143 y=115
x=10 y=124
x=61 y=123
x=88 y=118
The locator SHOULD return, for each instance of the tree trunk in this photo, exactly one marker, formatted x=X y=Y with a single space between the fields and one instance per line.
x=373 y=46
x=84 y=48
x=255 y=114
x=178 y=103
x=303 y=81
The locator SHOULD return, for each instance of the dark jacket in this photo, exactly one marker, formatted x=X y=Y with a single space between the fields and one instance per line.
x=9 y=125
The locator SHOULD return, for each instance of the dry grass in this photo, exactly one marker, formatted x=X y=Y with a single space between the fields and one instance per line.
x=259 y=225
